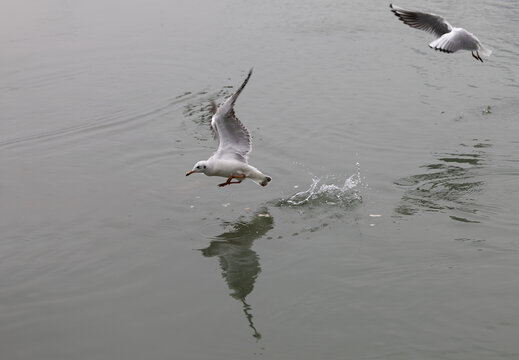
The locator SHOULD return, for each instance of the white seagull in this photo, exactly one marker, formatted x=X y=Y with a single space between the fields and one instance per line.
x=450 y=39
x=230 y=160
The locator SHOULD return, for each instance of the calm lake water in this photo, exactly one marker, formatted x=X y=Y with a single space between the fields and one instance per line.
x=390 y=229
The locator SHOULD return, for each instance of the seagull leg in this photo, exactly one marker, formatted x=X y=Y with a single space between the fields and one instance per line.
x=228 y=182
x=475 y=57
x=479 y=57
x=241 y=176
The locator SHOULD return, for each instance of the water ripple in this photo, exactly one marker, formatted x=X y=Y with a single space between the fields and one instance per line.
x=450 y=184
x=117 y=121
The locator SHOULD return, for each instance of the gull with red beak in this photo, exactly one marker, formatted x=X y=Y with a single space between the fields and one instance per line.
x=231 y=158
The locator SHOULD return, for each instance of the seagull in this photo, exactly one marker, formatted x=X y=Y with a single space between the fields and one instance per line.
x=230 y=159
x=450 y=39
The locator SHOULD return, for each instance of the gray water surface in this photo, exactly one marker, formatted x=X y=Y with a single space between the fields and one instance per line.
x=389 y=231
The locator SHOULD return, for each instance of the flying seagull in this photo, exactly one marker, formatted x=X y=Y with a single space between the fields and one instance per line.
x=230 y=159
x=450 y=39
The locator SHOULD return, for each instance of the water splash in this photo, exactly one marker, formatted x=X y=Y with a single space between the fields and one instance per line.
x=322 y=193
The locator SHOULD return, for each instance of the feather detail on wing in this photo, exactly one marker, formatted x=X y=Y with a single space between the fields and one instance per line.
x=447 y=43
x=234 y=138
x=432 y=23
x=213 y=112
x=457 y=39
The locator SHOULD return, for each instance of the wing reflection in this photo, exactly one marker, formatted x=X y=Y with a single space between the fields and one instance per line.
x=447 y=185
x=240 y=264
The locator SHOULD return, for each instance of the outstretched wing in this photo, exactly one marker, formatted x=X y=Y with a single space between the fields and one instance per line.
x=234 y=138
x=432 y=23
x=450 y=42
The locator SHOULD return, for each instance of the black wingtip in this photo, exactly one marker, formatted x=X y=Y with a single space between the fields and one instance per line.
x=242 y=86
x=250 y=73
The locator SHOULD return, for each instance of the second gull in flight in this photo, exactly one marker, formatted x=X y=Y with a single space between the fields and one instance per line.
x=450 y=39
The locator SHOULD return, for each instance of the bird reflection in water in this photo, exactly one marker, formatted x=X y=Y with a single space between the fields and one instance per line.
x=240 y=264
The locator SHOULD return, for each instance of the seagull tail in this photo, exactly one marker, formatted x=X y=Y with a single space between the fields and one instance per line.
x=258 y=177
x=263 y=182
x=484 y=51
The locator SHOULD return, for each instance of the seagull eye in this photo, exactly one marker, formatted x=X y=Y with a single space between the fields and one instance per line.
x=198 y=167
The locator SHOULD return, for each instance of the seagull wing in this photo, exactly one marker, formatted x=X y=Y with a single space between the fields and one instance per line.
x=452 y=42
x=234 y=138
x=432 y=23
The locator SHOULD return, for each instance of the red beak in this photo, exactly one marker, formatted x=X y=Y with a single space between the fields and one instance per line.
x=189 y=172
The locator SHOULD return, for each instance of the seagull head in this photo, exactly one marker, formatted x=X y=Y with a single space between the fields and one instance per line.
x=200 y=167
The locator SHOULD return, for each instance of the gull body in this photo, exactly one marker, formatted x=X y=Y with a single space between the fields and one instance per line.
x=231 y=158
x=450 y=39
x=235 y=169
